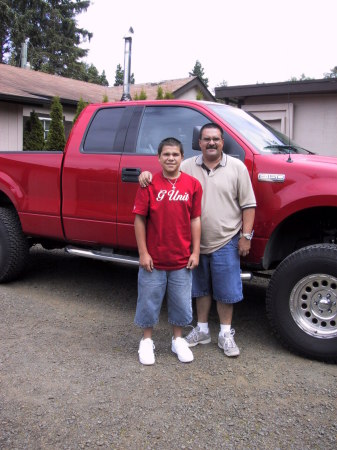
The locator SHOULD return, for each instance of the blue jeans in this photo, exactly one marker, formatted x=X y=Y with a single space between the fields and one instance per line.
x=152 y=286
x=218 y=274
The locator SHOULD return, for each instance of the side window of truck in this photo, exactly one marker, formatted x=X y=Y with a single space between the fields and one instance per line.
x=102 y=131
x=160 y=122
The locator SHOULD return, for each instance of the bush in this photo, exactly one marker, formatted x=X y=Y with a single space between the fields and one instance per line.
x=168 y=95
x=33 y=135
x=56 y=139
x=160 y=93
x=142 y=95
x=80 y=106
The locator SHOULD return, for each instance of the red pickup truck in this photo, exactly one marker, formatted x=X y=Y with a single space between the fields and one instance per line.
x=81 y=199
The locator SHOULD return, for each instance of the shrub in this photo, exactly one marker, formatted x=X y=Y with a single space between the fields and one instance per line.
x=56 y=139
x=33 y=135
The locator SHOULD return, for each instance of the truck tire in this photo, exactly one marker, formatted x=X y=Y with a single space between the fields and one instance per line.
x=302 y=302
x=14 y=247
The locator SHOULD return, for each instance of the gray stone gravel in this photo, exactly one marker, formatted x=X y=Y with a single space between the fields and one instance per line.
x=70 y=376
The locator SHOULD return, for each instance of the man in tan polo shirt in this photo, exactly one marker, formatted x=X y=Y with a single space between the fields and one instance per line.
x=227 y=218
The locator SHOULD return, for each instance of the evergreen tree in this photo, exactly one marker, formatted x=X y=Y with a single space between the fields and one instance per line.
x=168 y=95
x=199 y=95
x=119 y=76
x=50 y=26
x=90 y=74
x=33 y=135
x=80 y=106
x=332 y=73
x=198 y=71
x=56 y=139
x=160 y=93
x=142 y=95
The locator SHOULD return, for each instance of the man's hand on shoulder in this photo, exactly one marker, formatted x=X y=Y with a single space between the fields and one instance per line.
x=145 y=178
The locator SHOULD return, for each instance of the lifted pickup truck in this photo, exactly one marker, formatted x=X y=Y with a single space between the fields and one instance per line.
x=81 y=199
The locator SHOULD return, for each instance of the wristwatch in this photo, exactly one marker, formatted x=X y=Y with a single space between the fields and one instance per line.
x=248 y=236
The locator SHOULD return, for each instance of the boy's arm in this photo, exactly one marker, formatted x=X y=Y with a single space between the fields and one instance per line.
x=145 y=259
x=195 y=233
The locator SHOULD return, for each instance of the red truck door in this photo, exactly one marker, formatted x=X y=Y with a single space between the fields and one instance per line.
x=90 y=177
x=149 y=126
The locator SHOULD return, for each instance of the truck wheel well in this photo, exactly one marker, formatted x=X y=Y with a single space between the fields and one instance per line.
x=4 y=200
x=311 y=226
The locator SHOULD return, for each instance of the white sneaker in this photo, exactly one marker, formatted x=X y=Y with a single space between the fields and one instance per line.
x=228 y=344
x=180 y=347
x=146 y=354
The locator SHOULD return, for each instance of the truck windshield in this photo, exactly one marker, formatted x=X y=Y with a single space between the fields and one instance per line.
x=263 y=137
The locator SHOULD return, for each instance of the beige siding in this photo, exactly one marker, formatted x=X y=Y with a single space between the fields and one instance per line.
x=11 y=129
x=312 y=123
x=316 y=124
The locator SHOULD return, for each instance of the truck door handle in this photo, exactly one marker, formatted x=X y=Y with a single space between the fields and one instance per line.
x=130 y=175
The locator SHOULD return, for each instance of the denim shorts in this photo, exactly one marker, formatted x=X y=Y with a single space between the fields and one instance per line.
x=218 y=274
x=152 y=286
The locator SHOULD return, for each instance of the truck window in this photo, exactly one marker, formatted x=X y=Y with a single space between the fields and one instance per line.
x=102 y=131
x=160 y=122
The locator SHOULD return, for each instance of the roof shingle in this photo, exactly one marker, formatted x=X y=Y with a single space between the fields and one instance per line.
x=38 y=87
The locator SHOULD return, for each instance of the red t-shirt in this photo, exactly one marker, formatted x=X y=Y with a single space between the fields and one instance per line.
x=169 y=212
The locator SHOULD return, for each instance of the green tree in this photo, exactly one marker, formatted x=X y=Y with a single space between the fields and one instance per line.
x=33 y=135
x=142 y=95
x=105 y=98
x=303 y=77
x=168 y=95
x=119 y=76
x=50 y=26
x=80 y=106
x=160 y=93
x=56 y=139
x=332 y=73
x=199 y=95
x=90 y=74
x=198 y=71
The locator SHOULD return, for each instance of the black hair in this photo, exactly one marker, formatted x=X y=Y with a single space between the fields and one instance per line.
x=171 y=142
x=211 y=125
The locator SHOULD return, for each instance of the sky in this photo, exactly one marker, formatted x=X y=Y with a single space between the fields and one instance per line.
x=237 y=41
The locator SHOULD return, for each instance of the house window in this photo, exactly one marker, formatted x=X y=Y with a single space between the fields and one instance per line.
x=46 y=124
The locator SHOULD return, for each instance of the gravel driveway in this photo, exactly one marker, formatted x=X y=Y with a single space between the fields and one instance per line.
x=70 y=376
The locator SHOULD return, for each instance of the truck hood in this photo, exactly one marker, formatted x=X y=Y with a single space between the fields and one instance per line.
x=301 y=162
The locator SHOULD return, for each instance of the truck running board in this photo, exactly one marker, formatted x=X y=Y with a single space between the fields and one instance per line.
x=107 y=255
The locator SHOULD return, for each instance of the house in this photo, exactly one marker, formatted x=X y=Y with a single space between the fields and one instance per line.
x=306 y=111
x=24 y=90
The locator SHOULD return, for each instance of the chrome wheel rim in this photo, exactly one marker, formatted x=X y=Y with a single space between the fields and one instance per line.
x=313 y=305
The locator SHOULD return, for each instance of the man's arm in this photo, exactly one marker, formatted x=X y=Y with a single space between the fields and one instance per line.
x=145 y=259
x=248 y=216
x=195 y=234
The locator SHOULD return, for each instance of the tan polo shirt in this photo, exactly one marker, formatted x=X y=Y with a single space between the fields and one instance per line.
x=227 y=190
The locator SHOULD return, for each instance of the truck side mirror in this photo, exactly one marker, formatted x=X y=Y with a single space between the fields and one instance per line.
x=195 y=138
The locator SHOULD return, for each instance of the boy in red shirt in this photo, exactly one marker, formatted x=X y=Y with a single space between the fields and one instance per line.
x=167 y=228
